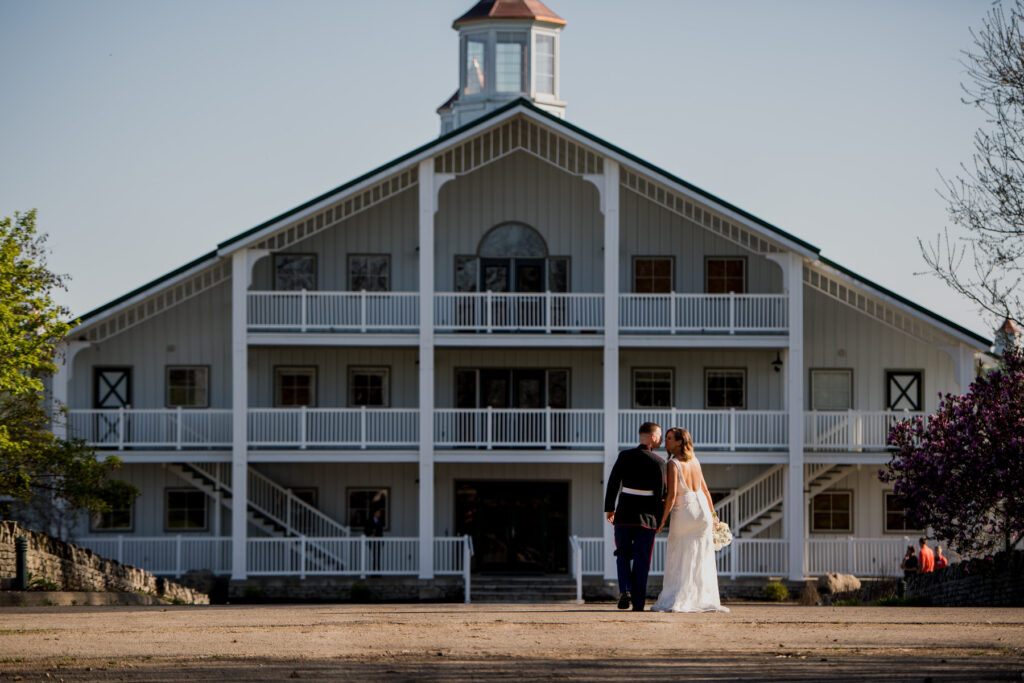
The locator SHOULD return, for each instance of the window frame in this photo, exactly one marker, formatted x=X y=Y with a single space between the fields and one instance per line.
x=368 y=369
x=746 y=277
x=525 y=43
x=94 y=529
x=885 y=517
x=671 y=387
x=97 y=372
x=743 y=374
x=167 y=386
x=535 y=71
x=167 y=510
x=387 y=260
x=831 y=492
x=671 y=272
x=366 y=489
x=810 y=393
x=296 y=369
x=288 y=254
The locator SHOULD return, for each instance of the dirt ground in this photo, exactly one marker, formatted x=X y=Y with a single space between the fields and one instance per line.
x=509 y=642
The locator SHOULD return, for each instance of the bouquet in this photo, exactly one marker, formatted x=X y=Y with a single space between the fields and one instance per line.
x=721 y=535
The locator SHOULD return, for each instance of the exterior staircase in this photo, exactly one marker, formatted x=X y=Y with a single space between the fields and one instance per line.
x=517 y=588
x=757 y=505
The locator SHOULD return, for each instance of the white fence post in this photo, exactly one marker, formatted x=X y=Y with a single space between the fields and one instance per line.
x=849 y=429
x=732 y=429
x=302 y=426
x=466 y=554
x=362 y=427
x=302 y=557
x=672 y=312
x=362 y=310
x=177 y=438
x=849 y=556
x=302 y=320
x=120 y=428
x=547 y=428
x=732 y=313
x=490 y=427
x=487 y=303
x=547 y=312
x=732 y=559
x=362 y=556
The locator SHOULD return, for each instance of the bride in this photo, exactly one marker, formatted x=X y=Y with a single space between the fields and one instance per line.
x=691 y=578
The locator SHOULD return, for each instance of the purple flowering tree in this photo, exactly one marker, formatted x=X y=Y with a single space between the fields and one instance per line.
x=962 y=472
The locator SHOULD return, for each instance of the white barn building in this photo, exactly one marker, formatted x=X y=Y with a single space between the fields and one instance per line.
x=466 y=336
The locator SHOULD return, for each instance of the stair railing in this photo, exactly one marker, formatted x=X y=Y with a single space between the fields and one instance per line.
x=753 y=499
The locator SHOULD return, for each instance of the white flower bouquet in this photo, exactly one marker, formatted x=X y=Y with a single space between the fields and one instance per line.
x=721 y=536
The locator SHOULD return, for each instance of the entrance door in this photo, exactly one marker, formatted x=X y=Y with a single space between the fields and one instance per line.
x=112 y=389
x=516 y=526
x=520 y=275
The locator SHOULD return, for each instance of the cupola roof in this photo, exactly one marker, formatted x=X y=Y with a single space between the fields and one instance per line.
x=532 y=10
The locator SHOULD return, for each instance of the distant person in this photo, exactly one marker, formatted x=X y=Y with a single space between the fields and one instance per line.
x=940 y=560
x=925 y=557
x=373 y=529
x=909 y=563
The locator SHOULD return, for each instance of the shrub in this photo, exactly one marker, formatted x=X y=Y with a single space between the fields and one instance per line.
x=774 y=591
x=360 y=592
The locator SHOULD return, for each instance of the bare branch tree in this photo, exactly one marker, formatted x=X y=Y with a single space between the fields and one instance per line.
x=986 y=265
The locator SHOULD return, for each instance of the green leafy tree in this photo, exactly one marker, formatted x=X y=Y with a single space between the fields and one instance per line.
x=34 y=462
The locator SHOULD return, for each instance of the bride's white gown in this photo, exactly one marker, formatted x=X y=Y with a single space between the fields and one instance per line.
x=691 y=578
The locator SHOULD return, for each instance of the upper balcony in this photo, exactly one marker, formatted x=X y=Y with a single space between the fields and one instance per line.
x=396 y=314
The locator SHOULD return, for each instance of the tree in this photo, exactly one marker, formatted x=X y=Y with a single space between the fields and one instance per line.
x=987 y=201
x=962 y=474
x=33 y=460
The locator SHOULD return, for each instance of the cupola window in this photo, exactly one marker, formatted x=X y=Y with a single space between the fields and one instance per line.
x=475 y=76
x=510 y=62
x=544 y=58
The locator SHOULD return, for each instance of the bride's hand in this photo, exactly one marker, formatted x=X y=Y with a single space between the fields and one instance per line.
x=660 y=527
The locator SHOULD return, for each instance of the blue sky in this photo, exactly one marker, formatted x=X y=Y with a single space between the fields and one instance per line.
x=147 y=132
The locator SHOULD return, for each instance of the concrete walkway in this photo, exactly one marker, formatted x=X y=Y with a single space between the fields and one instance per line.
x=482 y=642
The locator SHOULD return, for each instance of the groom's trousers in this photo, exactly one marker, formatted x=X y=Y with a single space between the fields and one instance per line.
x=633 y=548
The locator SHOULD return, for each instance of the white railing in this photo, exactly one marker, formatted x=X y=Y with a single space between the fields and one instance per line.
x=704 y=313
x=334 y=311
x=851 y=430
x=713 y=429
x=520 y=311
x=518 y=427
x=295 y=515
x=176 y=428
x=171 y=555
x=742 y=557
x=753 y=499
x=334 y=427
x=356 y=555
x=859 y=556
x=453 y=555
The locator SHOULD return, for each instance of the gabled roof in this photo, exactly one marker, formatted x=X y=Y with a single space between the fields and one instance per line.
x=526 y=106
x=531 y=10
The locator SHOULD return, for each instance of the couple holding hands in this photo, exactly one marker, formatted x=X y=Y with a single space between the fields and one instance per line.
x=646 y=499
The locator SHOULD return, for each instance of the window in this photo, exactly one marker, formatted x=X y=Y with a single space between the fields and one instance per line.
x=368 y=387
x=896 y=515
x=652 y=388
x=512 y=388
x=466 y=273
x=510 y=62
x=112 y=387
x=293 y=272
x=832 y=511
x=652 y=275
x=903 y=389
x=724 y=275
x=558 y=274
x=544 y=62
x=294 y=387
x=188 y=386
x=186 y=510
x=371 y=272
x=831 y=389
x=307 y=495
x=474 y=77
x=362 y=502
x=725 y=388
x=118 y=519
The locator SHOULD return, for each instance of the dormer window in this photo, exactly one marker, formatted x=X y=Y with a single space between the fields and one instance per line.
x=544 y=63
x=474 y=78
x=510 y=62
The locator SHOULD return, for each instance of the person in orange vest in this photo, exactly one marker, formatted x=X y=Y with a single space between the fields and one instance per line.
x=926 y=558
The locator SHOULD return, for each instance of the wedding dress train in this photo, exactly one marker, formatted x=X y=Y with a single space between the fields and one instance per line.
x=691 y=578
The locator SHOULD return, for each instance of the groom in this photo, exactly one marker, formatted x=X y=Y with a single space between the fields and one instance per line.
x=640 y=472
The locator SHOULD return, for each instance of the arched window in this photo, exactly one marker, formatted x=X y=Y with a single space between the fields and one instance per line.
x=512 y=240
x=512 y=257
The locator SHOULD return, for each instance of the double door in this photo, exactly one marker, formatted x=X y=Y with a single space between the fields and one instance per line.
x=513 y=275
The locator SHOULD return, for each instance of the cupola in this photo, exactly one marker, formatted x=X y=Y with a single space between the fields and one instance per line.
x=507 y=49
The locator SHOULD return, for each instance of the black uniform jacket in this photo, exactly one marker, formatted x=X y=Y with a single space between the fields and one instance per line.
x=640 y=469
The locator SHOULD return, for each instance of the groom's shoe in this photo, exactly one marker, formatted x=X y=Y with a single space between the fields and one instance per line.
x=638 y=608
x=625 y=600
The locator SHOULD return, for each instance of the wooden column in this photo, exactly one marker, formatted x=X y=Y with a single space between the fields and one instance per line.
x=427 y=208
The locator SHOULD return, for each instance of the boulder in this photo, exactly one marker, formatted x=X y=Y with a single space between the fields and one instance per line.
x=838 y=583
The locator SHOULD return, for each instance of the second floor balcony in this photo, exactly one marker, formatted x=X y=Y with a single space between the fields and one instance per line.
x=525 y=312
x=481 y=429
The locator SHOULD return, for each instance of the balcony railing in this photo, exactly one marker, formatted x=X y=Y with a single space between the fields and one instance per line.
x=851 y=430
x=518 y=428
x=704 y=313
x=713 y=429
x=519 y=312
x=334 y=427
x=164 y=428
x=316 y=311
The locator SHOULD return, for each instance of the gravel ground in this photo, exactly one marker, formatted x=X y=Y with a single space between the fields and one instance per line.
x=499 y=641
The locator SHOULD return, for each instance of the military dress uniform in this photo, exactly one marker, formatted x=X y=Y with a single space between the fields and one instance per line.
x=638 y=479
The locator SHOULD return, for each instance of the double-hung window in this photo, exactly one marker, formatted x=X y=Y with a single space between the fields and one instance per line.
x=368 y=387
x=652 y=387
x=188 y=386
x=725 y=388
x=294 y=386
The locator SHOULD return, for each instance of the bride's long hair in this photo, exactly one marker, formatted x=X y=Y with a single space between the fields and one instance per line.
x=683 y=436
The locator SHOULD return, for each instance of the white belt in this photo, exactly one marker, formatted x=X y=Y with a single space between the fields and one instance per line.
x=636 y=492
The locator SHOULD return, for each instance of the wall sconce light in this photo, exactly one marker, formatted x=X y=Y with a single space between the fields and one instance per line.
x=777 y=363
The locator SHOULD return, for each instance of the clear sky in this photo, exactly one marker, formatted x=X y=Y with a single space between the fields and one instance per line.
x=146 y=132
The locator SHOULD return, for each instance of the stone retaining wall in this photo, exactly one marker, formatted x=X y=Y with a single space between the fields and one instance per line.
x=974 y=583
x=79 y=569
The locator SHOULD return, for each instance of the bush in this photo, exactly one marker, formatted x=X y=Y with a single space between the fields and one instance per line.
x=774 y=591
x=360 y=592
